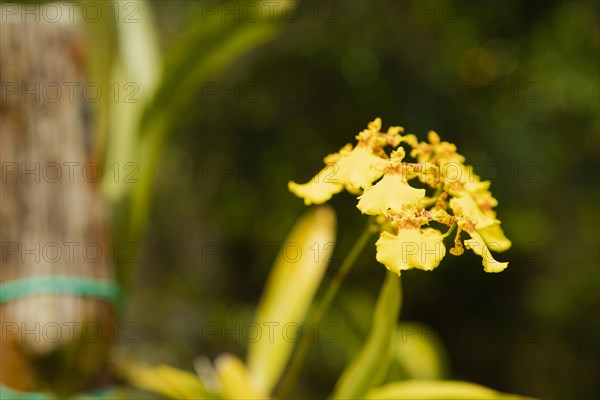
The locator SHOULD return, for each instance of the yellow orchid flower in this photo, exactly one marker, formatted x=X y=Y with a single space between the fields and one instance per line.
x=487 y=226
x=359 y=169
x=411 y=248
x=458 y=199
x=390 y=193
x=494 y=238
x=464 y=205
x=319 y=189
x=477 y=244
x=353 y=170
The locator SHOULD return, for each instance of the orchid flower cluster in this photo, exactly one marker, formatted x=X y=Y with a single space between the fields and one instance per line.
x=412 y=201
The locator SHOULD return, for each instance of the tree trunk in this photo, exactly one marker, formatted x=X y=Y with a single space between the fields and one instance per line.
x=53 y=219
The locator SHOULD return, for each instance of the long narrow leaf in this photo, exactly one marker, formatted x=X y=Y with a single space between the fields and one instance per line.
x=418 y=352
x=235 y=380
x=205 y=47
x=135 y=76
x=290 y=290
x=208 y=46
x=101 y=39
x=437 y=390
x=168 y=381
x=370 y=366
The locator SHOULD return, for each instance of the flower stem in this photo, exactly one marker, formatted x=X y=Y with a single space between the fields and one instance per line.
x=318 y=312
x=449 y=231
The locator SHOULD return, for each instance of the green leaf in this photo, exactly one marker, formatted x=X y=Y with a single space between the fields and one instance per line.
x=289 y=292
x=137 y=131
x=437 y=390
x=370 y=366
x=235 y=380
x=101 y=39
x=138 y=44
x=168 y=381
x=134 y=76
x=418 y=352
x=208 y=46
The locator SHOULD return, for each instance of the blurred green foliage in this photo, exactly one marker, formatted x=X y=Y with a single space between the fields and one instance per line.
x=514 y=84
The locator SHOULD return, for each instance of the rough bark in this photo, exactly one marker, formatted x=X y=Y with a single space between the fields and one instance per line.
x=50 y=203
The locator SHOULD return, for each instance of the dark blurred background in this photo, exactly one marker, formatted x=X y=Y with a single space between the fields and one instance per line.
x=514 y=84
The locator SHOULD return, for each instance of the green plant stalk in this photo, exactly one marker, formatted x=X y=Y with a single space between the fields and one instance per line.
x=317 y=313
x=370 y=366
x=449 y=231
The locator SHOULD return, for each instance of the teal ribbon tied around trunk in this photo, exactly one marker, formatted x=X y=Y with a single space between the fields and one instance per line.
x=103 y=289
x=107 y=393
